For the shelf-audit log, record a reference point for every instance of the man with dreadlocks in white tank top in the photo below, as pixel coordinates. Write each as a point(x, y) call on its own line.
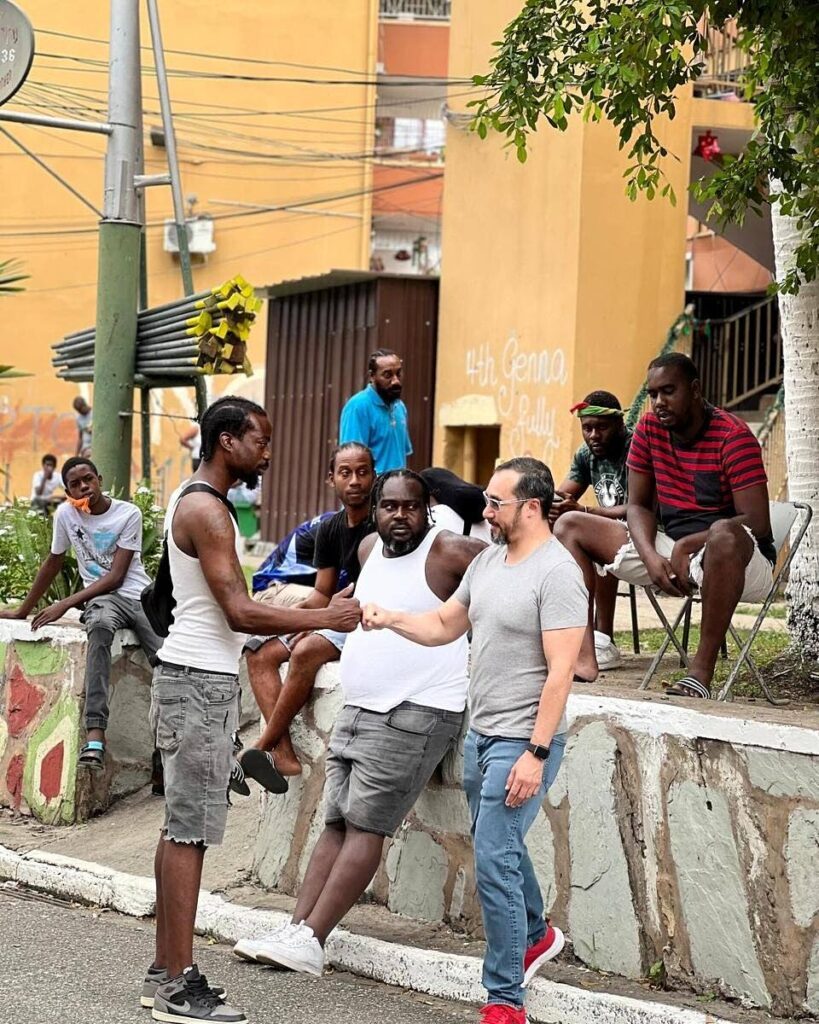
point(403, 710)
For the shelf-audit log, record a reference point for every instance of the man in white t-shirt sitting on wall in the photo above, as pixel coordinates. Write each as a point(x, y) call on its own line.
point(403, 710)
point(106, 535)
point(45, 483)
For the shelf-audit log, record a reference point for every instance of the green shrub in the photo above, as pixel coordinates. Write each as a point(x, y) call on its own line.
point(25, 543)
point(153, 516)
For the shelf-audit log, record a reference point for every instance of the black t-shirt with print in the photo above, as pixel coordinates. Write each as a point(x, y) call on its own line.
point(337, 547)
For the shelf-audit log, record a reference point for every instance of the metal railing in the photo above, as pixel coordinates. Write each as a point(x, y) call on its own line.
point(771, 437)
point(423, 10)
point(739, 358)
point(678, 339)
point(682, 337)
point(723, 62)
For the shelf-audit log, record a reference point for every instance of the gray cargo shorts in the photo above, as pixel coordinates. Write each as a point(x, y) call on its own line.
point(194, 715)
point(378, 763)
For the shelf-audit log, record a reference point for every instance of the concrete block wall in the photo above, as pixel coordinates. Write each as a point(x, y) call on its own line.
point(672, 839)
point(42, 697)
point(41, 723)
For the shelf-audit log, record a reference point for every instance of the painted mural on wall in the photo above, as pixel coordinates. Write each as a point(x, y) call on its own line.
point(529, 386)
point(39, 729)
point(41, 705)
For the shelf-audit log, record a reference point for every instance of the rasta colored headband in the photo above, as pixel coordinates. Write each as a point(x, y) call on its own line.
point(584, 409)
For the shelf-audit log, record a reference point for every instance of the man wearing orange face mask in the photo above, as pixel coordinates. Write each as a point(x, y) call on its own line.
point(106, 535)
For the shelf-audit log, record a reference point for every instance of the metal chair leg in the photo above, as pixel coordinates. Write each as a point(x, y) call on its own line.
point(635, 627)
point(670, 637)
point(745, 656)
point(686, 629)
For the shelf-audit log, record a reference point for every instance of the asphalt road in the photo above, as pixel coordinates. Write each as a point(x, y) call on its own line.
point(71, 965)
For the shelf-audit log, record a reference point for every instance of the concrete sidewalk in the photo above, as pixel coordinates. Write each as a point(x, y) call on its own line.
point(108, 861)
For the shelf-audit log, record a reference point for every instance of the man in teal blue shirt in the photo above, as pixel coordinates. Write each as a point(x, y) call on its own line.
point(377, 417)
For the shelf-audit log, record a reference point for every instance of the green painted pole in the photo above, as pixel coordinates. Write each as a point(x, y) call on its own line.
point(119, 257)
point(114, 356)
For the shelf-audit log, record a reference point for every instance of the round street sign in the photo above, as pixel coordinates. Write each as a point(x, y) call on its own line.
point(16, 49)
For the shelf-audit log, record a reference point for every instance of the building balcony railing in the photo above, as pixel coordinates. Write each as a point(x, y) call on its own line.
point(421, 10)
point(723, 62)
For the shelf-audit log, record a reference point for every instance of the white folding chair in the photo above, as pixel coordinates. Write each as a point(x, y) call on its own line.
point(784, 516)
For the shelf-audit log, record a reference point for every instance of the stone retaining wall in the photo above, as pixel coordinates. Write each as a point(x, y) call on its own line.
point(673, 842)
point(42, 697)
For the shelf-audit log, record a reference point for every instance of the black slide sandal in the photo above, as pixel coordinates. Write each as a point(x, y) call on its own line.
point(259, 765)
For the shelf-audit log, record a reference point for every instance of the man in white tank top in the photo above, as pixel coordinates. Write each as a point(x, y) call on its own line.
point(195, 695)
point(403, 710)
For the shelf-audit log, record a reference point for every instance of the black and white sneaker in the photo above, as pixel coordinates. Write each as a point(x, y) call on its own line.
point(189, 998)
point(237, 782)
point(156, 977)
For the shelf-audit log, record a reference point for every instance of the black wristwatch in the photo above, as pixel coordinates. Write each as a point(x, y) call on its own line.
point(541, 753)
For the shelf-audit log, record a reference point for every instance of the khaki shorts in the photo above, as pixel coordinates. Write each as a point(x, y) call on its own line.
point(629, 567)
point(284, 595)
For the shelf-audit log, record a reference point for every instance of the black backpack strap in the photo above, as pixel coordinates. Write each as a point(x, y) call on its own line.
point(207, 489)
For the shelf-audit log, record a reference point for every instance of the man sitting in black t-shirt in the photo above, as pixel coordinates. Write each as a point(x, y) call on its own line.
point(352, 475)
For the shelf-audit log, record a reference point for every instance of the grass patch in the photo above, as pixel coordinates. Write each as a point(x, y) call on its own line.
point(776, 611)
point(769, 647)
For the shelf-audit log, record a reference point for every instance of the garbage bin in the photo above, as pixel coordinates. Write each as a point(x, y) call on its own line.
point(248, 518)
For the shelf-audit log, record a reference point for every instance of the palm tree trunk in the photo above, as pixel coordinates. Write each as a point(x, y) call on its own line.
point(799, 323)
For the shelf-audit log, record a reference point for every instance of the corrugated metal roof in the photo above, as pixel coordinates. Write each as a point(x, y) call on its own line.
point(330, 279)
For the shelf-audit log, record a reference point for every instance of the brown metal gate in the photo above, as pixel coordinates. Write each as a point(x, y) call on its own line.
point(320, 334)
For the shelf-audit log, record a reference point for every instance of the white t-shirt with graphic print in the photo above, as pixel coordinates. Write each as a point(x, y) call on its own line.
point(95, 540)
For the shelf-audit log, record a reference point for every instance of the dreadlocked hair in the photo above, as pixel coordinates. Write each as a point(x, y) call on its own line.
point(406, 474)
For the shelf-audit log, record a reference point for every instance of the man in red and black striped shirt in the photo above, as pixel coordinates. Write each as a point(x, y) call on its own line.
point(697, 515)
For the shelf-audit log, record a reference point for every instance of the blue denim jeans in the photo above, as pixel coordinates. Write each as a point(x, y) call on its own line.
point(511, 901)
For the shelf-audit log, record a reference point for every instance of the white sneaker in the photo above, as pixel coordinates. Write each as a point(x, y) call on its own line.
point(608, 657)
point(296, 950)
point(248, 949)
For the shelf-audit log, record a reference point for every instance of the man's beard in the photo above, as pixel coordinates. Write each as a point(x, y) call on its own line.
point(502, 536)
point(386, 396)
point(402, 547)
point(250, 479)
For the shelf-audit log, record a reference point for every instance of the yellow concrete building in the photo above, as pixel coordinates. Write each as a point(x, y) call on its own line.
point(281, 138)
point(553, 284)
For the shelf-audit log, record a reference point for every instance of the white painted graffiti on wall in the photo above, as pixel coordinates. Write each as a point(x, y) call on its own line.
point(529, 419)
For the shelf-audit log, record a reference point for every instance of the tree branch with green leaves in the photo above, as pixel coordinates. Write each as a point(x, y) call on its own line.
point(626, 60)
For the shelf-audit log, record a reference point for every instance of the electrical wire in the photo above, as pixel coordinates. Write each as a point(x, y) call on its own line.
point(238, 256)
point(234, 216)
point(212, 56)
point(305, 112)
point(94, 66)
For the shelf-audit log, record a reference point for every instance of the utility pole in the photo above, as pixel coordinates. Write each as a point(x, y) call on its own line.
point(119, 258)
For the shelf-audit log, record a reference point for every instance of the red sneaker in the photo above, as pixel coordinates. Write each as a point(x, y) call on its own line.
point(536, 956)
point(502, 1013)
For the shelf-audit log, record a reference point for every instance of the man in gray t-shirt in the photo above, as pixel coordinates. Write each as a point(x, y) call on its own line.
point(527, 606)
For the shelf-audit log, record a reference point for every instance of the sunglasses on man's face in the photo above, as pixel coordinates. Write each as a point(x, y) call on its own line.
point(496, 504)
